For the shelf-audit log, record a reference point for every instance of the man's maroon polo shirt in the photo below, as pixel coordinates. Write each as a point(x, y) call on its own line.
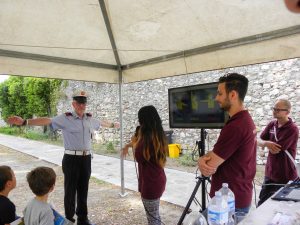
point(237, 146)
point(279, 167)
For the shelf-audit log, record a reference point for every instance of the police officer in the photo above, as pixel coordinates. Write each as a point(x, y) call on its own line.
point(77, 128)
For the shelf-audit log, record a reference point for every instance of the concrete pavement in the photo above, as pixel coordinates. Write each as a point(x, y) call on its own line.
point(179, 184)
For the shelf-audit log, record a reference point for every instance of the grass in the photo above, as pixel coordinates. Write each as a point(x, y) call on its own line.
point(187, 160)
point(21, 132)
point(25, 133)
point(97, 181)
point(16, 131)
point(110, 148)
point(34, 135)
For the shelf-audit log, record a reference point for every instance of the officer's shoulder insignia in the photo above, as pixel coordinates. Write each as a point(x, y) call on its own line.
point(89, 114)
point(68, 114)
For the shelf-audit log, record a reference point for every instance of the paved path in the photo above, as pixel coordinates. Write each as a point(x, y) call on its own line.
point(179, 184)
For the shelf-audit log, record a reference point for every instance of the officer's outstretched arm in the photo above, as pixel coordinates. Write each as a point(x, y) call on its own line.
point(41, 121)
point(16, 120)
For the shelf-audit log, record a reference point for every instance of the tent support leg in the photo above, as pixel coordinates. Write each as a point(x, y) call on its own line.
point(122, 193)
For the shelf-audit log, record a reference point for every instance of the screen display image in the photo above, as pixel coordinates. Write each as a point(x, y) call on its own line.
point(195, 107)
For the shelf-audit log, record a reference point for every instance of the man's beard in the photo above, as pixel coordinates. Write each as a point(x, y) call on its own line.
point(226, 105)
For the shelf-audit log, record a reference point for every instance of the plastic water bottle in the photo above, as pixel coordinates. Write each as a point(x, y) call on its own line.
point(217, 213)
point(228, 195)
point(194, 218)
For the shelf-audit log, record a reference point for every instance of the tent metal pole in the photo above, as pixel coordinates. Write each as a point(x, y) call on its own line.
point(109, 31)
point(122, 194)
point(119, 66)
point(54, 59)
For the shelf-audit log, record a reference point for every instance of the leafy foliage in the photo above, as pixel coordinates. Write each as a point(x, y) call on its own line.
point(32, 135)
point(16, 131)
point(4, 101)
point(23, 132)
point(187, 160)
point(25, 96)
point(110, 147)
point(13, 99)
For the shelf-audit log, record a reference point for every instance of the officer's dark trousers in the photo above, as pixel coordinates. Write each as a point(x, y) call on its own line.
point(77, 171)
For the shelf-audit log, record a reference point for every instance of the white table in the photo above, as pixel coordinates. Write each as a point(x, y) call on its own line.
point(264, 214)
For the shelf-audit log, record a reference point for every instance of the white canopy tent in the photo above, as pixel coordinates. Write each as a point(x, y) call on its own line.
point(120, 41)
point(145, 39)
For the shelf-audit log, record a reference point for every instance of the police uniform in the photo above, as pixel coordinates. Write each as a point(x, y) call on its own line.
point(76, 164)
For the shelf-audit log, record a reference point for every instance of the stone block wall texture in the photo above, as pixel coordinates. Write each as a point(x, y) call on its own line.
point(267, 82)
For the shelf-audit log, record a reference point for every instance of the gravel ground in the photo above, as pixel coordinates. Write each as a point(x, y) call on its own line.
point(106, 207)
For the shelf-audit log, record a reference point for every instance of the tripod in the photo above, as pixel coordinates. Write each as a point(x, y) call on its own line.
point(201, 180)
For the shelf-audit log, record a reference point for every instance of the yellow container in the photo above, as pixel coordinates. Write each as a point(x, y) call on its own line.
point(174, 150)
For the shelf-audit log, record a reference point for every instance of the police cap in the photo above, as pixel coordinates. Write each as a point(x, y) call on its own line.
point(80, 96)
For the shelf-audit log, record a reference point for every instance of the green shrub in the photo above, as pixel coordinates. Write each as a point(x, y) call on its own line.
point(187, 160)
point(98, 148)
point(110, 148)
point(34, 135)
point(23, 132)
point(11, 130)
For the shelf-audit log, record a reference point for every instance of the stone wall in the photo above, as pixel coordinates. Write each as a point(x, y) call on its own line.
point(267, 82)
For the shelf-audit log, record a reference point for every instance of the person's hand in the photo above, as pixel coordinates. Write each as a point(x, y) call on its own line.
point(134, 139)
point(293, 5)
point(125, 152)
point(205, 169)
point(15, 120)
point(273, 147)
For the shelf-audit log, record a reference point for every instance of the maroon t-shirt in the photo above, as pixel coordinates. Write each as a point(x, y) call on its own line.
point(237, 146)
point(152, 178)
point(279, 167)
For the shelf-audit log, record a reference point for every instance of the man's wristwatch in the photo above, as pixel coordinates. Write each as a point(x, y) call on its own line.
point(112, 125)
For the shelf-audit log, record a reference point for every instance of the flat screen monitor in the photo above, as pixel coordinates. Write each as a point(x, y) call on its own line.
point(195, 107)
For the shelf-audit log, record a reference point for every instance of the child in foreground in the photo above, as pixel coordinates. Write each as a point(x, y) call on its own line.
point(7, 183)
point(41, 181)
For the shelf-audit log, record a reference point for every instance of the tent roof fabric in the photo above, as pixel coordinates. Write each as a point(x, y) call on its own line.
point(146, 39)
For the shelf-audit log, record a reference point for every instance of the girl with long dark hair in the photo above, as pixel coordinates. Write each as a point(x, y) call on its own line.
point(150, 152)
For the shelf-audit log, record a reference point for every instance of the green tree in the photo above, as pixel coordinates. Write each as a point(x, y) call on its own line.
point(6, 108)
point(29, 96)
point(16, 101)
point(42, 95)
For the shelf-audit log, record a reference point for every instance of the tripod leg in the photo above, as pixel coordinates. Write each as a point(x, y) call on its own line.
point(190, 201)
point(203, 192)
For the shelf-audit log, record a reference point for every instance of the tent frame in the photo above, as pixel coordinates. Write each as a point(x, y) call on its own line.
point(275, 34)
point(181, 54)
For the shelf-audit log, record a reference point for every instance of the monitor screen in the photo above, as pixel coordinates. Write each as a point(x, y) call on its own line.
point(195, 107)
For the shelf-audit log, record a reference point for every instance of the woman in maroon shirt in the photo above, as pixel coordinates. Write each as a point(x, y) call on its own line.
point(150, 153)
